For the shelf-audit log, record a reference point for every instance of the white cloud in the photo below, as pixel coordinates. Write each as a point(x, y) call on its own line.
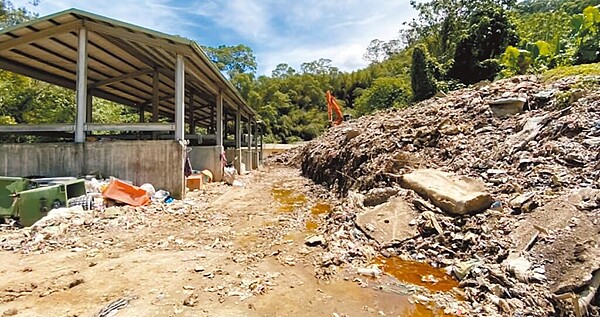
point(158, 15)
point(293, 31)
point(248, 18)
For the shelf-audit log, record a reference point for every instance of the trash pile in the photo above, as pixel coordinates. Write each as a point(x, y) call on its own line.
point(98, 205)
point(497, 183)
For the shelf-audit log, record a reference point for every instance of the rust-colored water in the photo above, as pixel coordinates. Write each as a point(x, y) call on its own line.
point(320, 208)
point(288, 199)
point(413, 272)
point(311, 226)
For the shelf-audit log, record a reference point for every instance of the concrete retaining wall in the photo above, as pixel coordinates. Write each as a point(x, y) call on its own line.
point(157, 162)
point(207, 157)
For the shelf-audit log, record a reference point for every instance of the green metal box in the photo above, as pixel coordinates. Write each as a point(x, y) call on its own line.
point(29, 205)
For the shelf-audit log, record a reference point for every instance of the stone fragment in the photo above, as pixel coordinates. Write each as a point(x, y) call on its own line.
point(378, 196)
point(314, 241)
point(452, 193)
point(507, 106)
point(351, 134)
point(389, 223)
point(519, 201)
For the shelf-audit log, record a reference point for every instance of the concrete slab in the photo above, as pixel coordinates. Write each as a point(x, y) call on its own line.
point(389, 223)
point(575, 247)
point(452, 193)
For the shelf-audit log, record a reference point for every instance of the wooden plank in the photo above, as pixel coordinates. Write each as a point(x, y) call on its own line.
point(31, 37)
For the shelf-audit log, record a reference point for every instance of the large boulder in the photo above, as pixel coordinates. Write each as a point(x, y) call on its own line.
point(452, 193)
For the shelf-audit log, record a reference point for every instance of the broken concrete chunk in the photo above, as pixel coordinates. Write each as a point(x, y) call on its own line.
point(314, 241)
point(519, 201)
point(574, 248)
point(507, 106)
point(378, 196)
point(389, 223)
point(351, 134)
point(452, 193)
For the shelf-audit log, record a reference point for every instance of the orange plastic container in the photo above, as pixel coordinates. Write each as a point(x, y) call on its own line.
point(125, 193)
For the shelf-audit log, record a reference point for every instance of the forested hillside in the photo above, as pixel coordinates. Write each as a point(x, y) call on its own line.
point(449, 45)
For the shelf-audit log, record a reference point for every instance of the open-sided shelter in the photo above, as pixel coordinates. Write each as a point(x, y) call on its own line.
point(169, 77)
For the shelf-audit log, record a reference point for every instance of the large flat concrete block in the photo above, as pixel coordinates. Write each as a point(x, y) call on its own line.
point(389, 223)
point(452, 193)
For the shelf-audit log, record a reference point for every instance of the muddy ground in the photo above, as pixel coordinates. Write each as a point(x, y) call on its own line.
point(224, 251)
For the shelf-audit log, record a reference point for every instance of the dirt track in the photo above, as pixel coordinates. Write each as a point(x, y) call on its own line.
point(230, 251)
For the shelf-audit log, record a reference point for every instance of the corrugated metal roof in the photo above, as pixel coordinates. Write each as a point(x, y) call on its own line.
point(121, 61)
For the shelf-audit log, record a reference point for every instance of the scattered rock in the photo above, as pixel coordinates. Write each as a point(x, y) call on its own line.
point(507, 106)
point(378, 196)
point(314, 241)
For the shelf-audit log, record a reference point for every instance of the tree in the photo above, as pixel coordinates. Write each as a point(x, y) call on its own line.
point(283, 70)
point(441, 22)
point(232, 59)
point(322, 66)
point(385, 93)
point(11, 15)
point(586, 36)
point(490, 33)
point(421, 75)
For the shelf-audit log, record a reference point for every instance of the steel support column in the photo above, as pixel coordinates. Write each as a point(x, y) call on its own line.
point(249, 144)
point(238, 141)
point(179, 98)
point(192, 107)
point(81, 86)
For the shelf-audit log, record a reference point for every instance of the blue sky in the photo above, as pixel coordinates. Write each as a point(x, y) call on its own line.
point(277, 31)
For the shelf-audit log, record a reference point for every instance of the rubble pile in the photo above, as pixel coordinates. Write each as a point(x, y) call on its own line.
point(558, 139)
point(498, 185)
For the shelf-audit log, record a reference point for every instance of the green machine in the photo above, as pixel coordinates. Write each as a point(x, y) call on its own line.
point(27, 200)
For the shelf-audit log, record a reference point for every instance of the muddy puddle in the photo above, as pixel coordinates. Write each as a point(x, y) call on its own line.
point(389, 303)
point(320, 209)
point(288, 199)
point(417, 273)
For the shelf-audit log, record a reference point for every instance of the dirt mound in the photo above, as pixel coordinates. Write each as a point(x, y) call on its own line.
point(553, 144)
point(536, 149)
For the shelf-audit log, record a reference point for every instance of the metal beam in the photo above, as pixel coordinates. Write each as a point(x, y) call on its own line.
point(179, 98)
point(130, 127)
point(136, 37)
point(219, 122)
point(120, 78)
point(19, 128)
point(81, 85)
point(155, 96)
point(89, 106)
point(38, 74)
point(192, 107)
point(202, 79)
point(31, 37)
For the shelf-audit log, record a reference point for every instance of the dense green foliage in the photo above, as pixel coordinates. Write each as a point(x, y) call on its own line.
point(422, 75)
point(452, 43)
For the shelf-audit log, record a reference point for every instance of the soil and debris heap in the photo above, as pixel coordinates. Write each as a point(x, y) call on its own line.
point(556, 144)
point(501, 189)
